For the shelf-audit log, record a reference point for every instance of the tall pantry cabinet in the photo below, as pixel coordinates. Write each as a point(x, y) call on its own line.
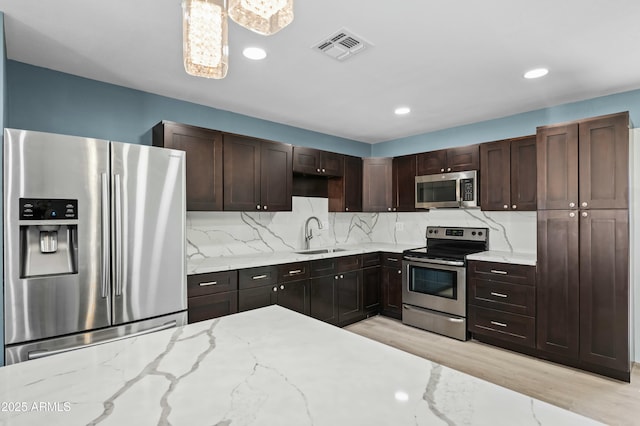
point(583, 244)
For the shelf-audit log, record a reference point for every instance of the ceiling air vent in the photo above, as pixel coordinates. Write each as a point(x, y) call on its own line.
point(341, 45)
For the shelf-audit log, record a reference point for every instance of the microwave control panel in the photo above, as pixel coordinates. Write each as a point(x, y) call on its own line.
point(467, 190)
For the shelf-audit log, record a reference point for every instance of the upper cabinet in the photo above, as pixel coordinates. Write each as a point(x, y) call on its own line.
point(316, 162)
point(404, 183)
point(377, 191)
point(448, 160)
point(203, 149)
point(593, 152)
point(345, 193)
point(508, 174)
point(257, 174)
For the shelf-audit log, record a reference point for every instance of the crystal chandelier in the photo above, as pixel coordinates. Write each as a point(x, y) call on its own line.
point(265, 17)
point(206, 50)
point(205, 45)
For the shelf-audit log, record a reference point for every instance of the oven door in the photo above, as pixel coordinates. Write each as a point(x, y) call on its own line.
point(435, 284)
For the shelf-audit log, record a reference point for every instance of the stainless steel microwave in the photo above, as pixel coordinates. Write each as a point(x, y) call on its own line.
point(447, 190)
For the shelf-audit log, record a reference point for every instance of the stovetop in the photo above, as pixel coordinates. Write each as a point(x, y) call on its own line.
point(451, 243)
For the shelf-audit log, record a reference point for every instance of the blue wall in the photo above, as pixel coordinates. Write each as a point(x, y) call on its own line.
point(3, 121)
point(512, 126)
point(50, 101)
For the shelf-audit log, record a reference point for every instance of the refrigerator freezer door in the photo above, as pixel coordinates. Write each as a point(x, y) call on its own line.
point(148, 227)
point(42, 298)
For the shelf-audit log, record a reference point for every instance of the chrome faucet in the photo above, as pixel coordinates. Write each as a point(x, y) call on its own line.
point(308, 233)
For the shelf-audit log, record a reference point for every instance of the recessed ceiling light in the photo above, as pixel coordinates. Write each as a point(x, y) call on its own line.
point(402, 110)
point(255, 53)
point(536, 73)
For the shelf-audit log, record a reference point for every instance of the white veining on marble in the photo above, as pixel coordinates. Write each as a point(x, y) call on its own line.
point(217, 234)
point(261, 367)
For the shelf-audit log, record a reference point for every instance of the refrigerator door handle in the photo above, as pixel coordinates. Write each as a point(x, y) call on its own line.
point(118, 234)
point(105, 235)
point(42, 354)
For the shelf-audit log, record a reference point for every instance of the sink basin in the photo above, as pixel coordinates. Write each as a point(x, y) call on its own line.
point(320, 251)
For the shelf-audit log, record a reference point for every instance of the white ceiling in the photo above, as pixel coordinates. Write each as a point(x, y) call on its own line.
point(452, 62)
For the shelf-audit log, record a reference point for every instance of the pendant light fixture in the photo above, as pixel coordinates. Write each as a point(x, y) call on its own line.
point(265, 17)
point(205, 49)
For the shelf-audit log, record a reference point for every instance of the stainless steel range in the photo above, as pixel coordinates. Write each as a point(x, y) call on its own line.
point(434, 287)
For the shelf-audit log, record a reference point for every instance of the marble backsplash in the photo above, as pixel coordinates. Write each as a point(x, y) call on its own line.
point(213, 234)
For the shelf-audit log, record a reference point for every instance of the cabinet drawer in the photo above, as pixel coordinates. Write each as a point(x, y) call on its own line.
point(257, 277)
point(212, 306)
point(392, 259)
point(505, 326)
point(505, 272)
point(349, 263)
point(370, 259)
point(322, 267)
point(516, 298)
point(215, 282)
point(293, 271)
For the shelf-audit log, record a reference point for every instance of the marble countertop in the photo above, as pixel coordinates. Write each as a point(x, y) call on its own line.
point(529, 259)
point(228, 263)
point(262, 367)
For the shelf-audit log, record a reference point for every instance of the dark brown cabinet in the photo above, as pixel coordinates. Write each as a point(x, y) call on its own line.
point(350, 297)
point(257, 174)
point(604, 288)
point(371, 283)
point(558, 288)
point(584, 164)
point(316, 162)
point(502, 303)
point(345, 193)
point(286, 285)
point(404, 183)
point(583, 244)
point(448, 160)
point(204, 161)
point(211, 295)
point(324, 295)
point(377, 190)
point(391, 285)
point(508, 174)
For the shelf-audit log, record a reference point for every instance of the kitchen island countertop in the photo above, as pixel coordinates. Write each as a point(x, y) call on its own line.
point(269, 366)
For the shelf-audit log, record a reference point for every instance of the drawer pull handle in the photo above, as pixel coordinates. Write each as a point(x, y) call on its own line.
point(498, 294)
point(499, 324)
point(497, 271)
point(258, 277)
point(457, 320)
point(208, 283)
point(295, 271)
point(391, 259)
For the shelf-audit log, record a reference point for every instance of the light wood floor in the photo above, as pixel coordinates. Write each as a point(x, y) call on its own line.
point(602, 399)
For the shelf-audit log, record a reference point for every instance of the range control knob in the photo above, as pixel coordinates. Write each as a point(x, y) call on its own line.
point(473, 232)
point(480, 233)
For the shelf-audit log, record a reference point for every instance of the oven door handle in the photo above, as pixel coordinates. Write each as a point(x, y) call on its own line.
point(435, 261)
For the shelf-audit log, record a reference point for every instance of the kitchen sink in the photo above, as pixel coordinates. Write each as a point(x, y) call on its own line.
point(320, 251)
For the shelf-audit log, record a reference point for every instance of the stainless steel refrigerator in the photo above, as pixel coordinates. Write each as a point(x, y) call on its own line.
point(94, 242)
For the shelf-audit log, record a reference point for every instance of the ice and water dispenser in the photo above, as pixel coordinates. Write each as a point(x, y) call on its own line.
point(48, 237)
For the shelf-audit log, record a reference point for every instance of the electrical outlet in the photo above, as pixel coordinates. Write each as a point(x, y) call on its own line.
point(399, 226)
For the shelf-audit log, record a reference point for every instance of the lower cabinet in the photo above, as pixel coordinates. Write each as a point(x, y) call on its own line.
point(211, 295)
point(391, 285)
point(350, 307)
point(502, 302)
point(339, 291)
point(371, 284)
point(324, 299)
